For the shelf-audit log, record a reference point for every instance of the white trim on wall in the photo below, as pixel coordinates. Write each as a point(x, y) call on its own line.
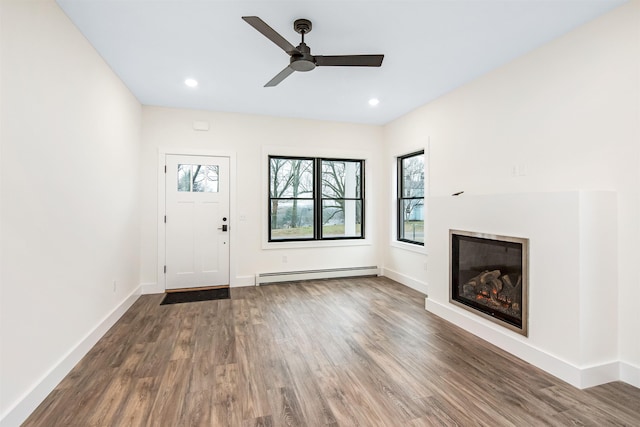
point(579, 377)
point(630, 374)
point(413, 283)
point(45, 385)
point(151, 288)
point(572, 342)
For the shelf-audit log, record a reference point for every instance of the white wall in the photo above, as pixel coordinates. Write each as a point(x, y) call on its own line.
point(565, 117)
point(403, 262)
point(572, 276)
point(248, 139)
point(70, 151)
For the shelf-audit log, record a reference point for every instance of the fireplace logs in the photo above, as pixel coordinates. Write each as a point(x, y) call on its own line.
point(497, 289)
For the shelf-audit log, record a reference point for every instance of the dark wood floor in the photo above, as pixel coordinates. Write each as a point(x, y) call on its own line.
point(320, 353)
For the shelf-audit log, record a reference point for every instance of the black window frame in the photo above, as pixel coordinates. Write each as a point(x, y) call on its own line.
point(271, 199)
point(318, 199)
point(401, 199)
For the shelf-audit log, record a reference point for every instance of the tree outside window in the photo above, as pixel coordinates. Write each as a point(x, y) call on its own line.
point(341, 198)
point(291, 198)
point(411, 198)
point(297, 211)
point(198, 178)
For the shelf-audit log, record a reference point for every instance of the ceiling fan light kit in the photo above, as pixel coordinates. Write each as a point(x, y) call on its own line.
point(301, 58)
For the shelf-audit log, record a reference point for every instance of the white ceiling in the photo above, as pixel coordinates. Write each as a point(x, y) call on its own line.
point(430, 48)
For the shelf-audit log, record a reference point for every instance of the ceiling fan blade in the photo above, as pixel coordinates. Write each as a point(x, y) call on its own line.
point(280, 77)
point(270, 33)
point(349, 60)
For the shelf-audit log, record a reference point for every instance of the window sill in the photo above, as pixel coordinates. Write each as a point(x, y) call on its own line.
point(409, 247)
point(316, 244)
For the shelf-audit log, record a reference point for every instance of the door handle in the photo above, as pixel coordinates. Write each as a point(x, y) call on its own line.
point(223, 228)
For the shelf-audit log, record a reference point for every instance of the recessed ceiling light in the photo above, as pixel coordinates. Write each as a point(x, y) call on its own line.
point(374, 101)
point(191, 82)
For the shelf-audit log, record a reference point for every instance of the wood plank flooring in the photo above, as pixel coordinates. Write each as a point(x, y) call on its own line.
point(356, 352)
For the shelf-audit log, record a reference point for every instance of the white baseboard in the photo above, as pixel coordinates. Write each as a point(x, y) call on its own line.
point(579, 377)
point(30, 401)
point(599, 374)
point(630, 374)
point(241, 281)
point(416, 284)
point(151, 288)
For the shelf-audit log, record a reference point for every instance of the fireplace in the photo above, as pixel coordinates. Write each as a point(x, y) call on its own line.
point(489, 277)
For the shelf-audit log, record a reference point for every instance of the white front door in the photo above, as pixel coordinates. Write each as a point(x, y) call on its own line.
point(197, 221)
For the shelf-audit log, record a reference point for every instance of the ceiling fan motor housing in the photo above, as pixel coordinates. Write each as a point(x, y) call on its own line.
point(302, 61)
point(302, 26)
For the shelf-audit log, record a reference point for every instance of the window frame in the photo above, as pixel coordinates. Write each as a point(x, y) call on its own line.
point(317, 199)
point(401, 198)
point(321, 198)
point(270, 198)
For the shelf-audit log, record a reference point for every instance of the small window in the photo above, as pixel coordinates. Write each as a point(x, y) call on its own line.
point(411, 198)
point(198, 178)
point(315, 199)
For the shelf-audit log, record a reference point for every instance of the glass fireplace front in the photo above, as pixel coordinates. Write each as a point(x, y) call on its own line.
point(489, 276)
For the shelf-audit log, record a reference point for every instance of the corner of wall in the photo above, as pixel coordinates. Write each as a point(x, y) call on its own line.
point(406, 280)
point(21, 410)
point(151, 288)
point(241, 281)
point(630, 374)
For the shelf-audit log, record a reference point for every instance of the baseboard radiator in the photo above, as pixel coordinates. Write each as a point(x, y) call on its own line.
point(329, 273)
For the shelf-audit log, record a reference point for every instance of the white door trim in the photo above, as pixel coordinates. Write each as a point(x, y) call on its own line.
point(162, 153)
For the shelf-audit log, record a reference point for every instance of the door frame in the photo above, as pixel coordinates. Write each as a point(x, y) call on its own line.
point(161, 208)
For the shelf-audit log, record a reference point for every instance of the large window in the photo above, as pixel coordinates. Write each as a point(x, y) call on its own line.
point(411, 198)
point(315, 199)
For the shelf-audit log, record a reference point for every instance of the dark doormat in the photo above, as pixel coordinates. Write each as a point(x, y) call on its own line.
point(194, 296)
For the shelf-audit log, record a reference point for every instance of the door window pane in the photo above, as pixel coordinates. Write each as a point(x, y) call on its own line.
point(184, 177)
point(198, 178)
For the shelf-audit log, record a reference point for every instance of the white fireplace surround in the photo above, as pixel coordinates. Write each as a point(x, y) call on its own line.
point(573, 283)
